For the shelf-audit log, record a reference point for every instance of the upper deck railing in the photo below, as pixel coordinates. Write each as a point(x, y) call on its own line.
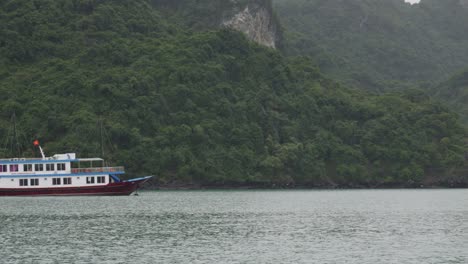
point(99, 169)
point(70, 157)
point(24, 159)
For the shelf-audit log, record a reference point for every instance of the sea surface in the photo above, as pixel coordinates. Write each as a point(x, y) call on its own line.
point(355, 226)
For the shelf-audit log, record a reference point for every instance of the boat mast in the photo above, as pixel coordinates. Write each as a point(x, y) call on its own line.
point(36, 143)
point(42, 153)
point(15, 142)
point(102, 137)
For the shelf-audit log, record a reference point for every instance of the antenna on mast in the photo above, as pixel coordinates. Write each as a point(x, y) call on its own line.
point(105, 146)
point(15, 142)
point(36, 143)
point(101, 136)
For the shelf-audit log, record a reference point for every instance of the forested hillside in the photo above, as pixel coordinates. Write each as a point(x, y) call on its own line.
point(455, 92)
point(379, 44)
point(207, 107)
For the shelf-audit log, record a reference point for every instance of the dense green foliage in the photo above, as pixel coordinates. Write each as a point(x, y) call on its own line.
point(207, 108)
point(455, 92)
point(379, 44)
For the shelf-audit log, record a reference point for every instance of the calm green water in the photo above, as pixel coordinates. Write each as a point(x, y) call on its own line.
point(381, 226)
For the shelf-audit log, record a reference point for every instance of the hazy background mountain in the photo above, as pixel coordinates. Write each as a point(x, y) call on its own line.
point(379, 44)
point(183, 96)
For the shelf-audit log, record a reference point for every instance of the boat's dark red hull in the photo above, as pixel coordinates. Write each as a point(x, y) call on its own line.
point(118, 188)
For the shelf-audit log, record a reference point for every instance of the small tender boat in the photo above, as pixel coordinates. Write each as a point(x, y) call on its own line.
point(63, 174)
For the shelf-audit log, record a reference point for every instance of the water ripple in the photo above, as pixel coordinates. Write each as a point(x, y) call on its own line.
point(387, 226)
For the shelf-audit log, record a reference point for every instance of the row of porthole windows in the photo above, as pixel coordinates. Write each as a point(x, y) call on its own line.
point(99, 179)
point(32, 182)
point(29, 167)
point(35, 182)
point(58, 181)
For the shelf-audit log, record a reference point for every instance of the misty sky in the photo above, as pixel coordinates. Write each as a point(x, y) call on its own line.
point(412, 1)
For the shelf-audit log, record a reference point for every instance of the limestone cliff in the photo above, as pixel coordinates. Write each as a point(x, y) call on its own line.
point(255, 18)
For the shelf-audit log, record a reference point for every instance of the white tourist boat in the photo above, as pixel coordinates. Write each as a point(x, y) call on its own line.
point(63, 174)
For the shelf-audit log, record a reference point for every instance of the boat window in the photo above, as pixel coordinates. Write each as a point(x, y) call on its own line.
point(101, 179)
point(50, 167)
point(56, 181)
point(27, 167)
point(38, 167)
point(61, 166)
point(67, 181)
point(23, 182)
point(89, 180)
point(3, 168)
point(13, 167)
point(34, 182)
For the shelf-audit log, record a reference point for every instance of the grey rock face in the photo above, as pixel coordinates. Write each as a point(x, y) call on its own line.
point(464, 3)
point(256, 19)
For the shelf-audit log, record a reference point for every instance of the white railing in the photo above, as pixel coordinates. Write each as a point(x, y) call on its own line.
point(100, 169)
point(22, 159)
